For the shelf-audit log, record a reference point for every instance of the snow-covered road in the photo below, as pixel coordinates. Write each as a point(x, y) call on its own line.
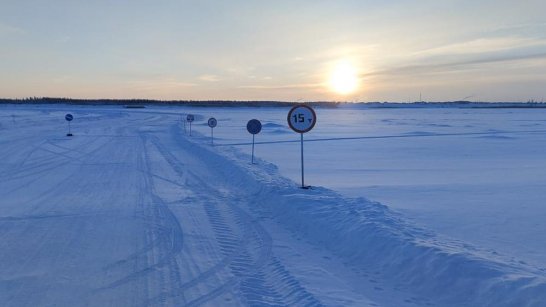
point(129, 213)
point(132, 212)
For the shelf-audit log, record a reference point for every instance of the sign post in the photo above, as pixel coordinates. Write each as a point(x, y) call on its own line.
point(212, 123)
point(190, 118)
point(69, 118)
point(301, 119)
point(254, 127)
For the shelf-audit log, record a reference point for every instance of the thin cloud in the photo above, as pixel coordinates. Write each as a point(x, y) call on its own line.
point(455, 65)
point(6, 30)
point(519, 28)
point(286, 86)
point(209, 78)
point(158, 85)
point(484, 45)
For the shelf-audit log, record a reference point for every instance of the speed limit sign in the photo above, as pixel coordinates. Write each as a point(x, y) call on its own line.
point(302, 118)
point(212, 122)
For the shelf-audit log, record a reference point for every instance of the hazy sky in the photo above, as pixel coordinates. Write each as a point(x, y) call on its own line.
point(273, 50)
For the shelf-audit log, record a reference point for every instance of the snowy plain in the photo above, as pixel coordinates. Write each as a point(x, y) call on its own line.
point(409, 207)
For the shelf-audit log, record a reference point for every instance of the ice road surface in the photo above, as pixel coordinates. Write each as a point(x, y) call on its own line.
point(132, 211)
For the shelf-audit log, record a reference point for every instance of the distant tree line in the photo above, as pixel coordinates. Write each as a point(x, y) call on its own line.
point(143, 102)
point(268, 103)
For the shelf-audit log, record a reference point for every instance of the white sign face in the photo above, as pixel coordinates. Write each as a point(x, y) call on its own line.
point(212, 122)
point(301, 118)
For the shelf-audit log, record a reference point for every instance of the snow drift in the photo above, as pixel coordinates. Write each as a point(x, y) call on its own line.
point(368, 234)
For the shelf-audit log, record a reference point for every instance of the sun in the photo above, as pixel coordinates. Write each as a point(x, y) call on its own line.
point(344, 78)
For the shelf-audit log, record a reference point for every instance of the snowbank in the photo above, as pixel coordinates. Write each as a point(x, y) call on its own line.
point(367, 234)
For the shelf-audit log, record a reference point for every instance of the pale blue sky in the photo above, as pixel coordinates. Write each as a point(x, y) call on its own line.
point(273, 50)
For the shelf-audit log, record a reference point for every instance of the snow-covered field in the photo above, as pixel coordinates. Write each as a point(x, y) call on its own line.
point(132, 211)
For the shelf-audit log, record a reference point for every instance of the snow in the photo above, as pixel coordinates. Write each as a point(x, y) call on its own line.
point(481, 180)
point(132, 211)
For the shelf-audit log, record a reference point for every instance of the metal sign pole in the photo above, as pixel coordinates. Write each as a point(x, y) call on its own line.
point(69, 132)
point(190, 128)
point(302, 176)
point(185, 131)
point(253, 149)
point(212, 136)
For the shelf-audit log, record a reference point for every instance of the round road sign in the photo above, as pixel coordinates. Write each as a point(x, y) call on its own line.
point(69, 117)
point(302, 118)
point(212, 122)
point(254, 126)
point(190, 117)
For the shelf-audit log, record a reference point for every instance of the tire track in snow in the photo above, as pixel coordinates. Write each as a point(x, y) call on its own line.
point(66, 235)
point(217, 223)
point(40, 166)
point(165, 238)
point(259, 277)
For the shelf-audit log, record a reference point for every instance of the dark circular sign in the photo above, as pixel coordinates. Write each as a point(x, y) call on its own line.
point(69, 117)
point(302, 118)
point(190, 117)
point(254, 126)
point(212, 122)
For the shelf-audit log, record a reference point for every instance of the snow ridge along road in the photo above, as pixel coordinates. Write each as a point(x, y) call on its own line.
point(131, 212)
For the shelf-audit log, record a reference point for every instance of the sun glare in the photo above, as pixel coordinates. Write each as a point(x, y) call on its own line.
point(344, 78)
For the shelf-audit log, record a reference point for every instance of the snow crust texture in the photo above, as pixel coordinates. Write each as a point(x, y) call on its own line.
point(133, 212)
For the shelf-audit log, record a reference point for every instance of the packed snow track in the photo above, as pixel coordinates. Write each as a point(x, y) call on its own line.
point(131, 211)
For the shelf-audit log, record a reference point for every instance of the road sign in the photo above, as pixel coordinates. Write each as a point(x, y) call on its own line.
point(302, 118)
point(69, 118)
point(190, 118)
point(254, 126)
point(212, 122)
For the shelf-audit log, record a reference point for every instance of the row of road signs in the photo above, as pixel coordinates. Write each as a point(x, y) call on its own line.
point(301, 119)
point(212, 122)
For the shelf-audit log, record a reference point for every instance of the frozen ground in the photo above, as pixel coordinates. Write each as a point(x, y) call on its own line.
point(131, 211)
point(483, 180)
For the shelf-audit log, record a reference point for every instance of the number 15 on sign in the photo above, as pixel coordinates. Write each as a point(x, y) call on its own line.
point(302, 119)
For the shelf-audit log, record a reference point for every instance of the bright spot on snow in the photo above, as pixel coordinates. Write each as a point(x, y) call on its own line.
point(344, 78)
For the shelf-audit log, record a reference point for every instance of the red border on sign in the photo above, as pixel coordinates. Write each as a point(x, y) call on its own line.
point(301, 106)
